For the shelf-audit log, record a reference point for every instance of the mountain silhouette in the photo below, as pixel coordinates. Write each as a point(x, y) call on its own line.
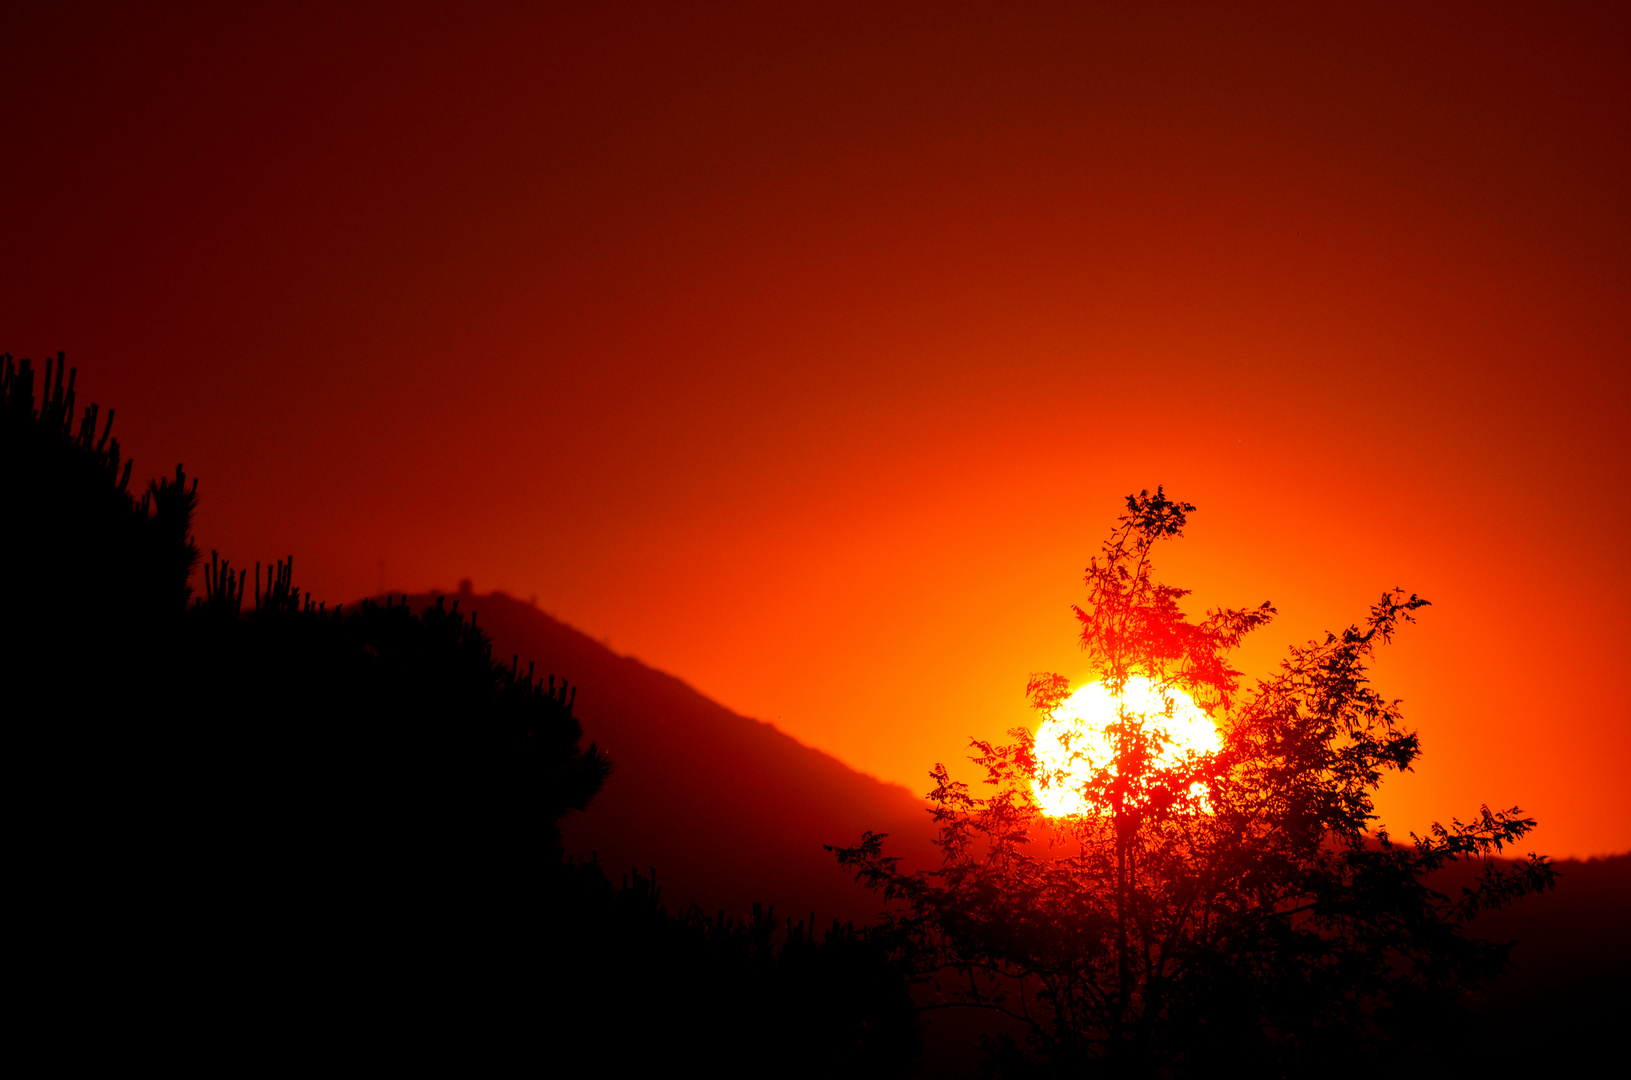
point(727, 810)
point(1563, 999)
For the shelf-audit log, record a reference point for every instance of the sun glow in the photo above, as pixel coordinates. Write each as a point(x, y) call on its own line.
point(1072, 744)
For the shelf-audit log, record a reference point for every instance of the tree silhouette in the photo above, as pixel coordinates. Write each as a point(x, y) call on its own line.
point(217, 799)
point(1239, 906)
point(252, 828)
point(95, 586)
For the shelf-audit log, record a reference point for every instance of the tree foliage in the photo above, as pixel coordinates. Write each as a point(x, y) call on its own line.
point(245, 788)
point(1243, 905)
point(248, 827)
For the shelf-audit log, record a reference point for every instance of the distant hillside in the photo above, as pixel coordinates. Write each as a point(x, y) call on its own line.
point(1569, 985)
point(727, 809)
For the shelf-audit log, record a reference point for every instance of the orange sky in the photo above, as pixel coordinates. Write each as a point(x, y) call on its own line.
point(808, 355)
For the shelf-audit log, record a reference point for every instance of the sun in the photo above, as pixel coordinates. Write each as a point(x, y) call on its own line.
point(1071, 745)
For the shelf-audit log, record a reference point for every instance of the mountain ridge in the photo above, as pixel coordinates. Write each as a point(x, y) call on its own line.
point(726, 809)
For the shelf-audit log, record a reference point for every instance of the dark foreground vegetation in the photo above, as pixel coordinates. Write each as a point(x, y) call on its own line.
point(251, 829)
point(1234, 909)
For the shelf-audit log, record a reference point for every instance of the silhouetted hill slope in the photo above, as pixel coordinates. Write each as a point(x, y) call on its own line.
point(727, 809)
point(1570, 981)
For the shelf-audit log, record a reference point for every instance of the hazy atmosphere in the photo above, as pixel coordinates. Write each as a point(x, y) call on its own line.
point(808, 354)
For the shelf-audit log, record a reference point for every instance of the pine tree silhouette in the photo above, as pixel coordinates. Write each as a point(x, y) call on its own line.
point(257, 828)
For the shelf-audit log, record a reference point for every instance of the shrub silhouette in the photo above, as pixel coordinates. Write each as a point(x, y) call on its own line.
point(88, 561)
point(368, 790)
point(254, 828)
point(1237, 907)
point(736, 997)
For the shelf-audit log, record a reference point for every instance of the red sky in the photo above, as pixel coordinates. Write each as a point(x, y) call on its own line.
point(807, 355)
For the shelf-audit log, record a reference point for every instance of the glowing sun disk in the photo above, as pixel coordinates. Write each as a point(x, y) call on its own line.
point(1072, 744)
